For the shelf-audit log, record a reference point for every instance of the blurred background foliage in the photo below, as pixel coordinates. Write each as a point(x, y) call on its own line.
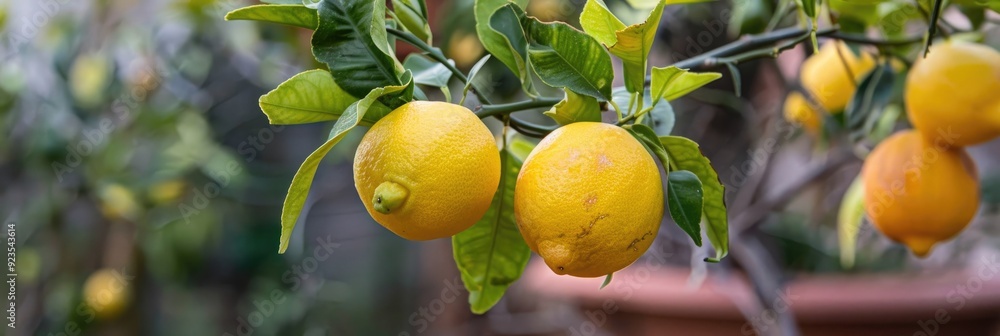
point(144, 180)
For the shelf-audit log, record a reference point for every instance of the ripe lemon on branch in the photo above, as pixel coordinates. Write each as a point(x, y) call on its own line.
point(427, 170)
point(919, 192)
point(956, 90)
point(829, 76)
point(588, 199)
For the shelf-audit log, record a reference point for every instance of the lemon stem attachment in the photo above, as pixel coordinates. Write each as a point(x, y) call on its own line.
point(389, 196)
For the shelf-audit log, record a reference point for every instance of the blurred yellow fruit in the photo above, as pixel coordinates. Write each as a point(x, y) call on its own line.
point(427, 170)
point(829, 76)
point(118, 202)
point(164, 192)
point(956, 90)
point(919, 193)
point(89, 77)
point(588, 199)
point(798, 111)
point(465, 49)
point(107, 293)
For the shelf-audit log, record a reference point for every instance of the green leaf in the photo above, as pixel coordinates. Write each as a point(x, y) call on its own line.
point(310, 96)
point(565, 57)
point(426, 71)
point(872, 95)
point(687, 156)
point(684, 198)
point(351, 41)
point(672, 82)
point(491, 255)
point(293, 15)
point(575, 108)
point(607, 280)
point(662, 117)
point(647, 137)
point(646, 4)
point(502, 47)
point(412, 15)
point(632, 47)
point(808, 7)
point(600, 23)
point(302, 181)
point(849, 220)
point(737, 83)
point(506, 22)
point(472, 76)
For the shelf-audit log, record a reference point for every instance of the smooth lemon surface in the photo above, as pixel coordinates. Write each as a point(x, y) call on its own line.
point(427, 170)
point(588, 199)
point(919, 193)
point(954, 93)
point(106, 293)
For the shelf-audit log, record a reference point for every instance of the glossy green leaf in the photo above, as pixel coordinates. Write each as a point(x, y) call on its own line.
point(565, 57)
point(600, 23)
point(647, 137)
point(426, 71)
point(672, 82)
point(500, 46)
point(473, 73)
point(351, 40)
point(849, 221)
point(662, 118)
point(412, 15)
point(686, 156)
point(491, 255)
point(575, 108)
point(507, 22)
point(632, 46)
point(294, 15)
point(310, 96)
point(302, 181)
point(607, 280)
point(684, 199)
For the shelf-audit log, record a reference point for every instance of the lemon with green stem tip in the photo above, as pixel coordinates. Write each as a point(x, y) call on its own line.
point(427, 170)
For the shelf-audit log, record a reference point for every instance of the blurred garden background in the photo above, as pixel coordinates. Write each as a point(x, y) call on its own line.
point(144, 188)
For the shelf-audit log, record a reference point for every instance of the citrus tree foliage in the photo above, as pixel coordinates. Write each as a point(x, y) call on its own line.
point(363, 80)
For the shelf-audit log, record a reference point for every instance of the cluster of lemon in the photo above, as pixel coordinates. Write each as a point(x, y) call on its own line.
point(921, 187)
point(588, 198)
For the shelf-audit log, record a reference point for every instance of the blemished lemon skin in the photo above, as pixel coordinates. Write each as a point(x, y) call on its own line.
point(588, 199)
point(919, 193)
point(956, 89)
point(441, 157)
point(830, 80)
point(108, 295)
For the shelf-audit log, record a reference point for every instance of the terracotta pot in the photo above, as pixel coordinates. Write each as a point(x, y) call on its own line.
point(657, 300)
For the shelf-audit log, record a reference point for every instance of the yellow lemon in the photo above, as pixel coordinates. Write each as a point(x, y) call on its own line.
point(588, 199)
point(107, 292)
point(427, 170)
point(118, 202)
point(954, 93)
point(829, 76)
point(798, 111)
point(917, 192)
